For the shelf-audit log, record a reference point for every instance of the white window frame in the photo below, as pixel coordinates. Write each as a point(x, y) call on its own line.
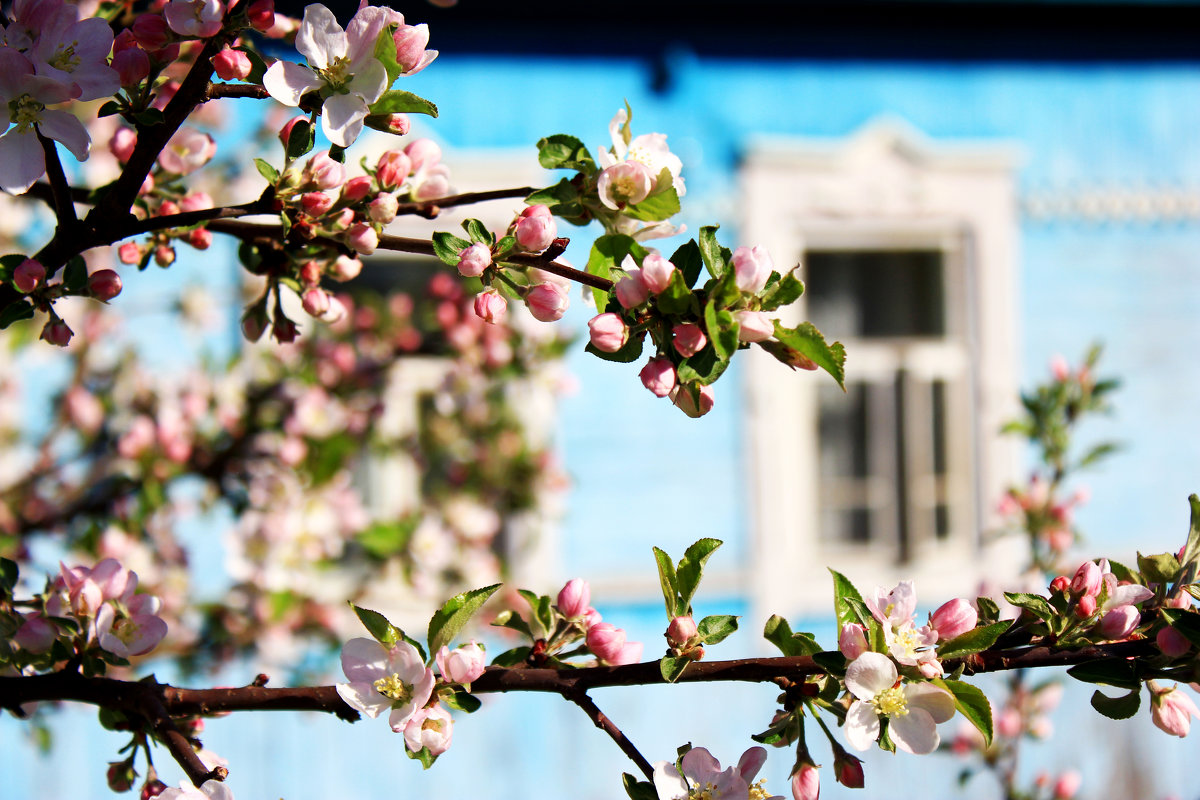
point(884, 188)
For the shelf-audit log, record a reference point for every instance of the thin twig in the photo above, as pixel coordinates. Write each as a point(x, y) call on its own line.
point(605, 724)
point(64, 209)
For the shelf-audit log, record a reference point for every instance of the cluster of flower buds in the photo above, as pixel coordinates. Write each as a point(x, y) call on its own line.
point(1046, 518)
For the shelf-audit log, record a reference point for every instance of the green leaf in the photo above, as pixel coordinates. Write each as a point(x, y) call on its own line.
point(75, 274)
point(267, 171)
point(806, 340)
point(844, 590)
point(722, 331)
point(511, 658)
point(630, 351)
point(784, 291)
point(563, 201)
point(988, 610)
point(149, 118)
point(689, 570)
point(833, 662)
point(667, 580)
point(671, 668)
point(711, 251)
point(463, 701)
point(423, 755)
point(973, 641)
point(972, 704)
point(258, 67)
point(655, 207)
point(337, 153)
point(638, 790)
point(1035, 603)
point(1191, 550)
point(1122, 572)
point(513, 621)
point(447, 246)
point(478, 232)
point(14, 312)
point(109, 108)
point(688, 261)
point(1185, 621)
point(1108, 671)
point(455, 614)
point(1122, 707)
point(608, 252)
point(676, 298)
point(300, 141)
point(702, 368)
point(565, 152)
point(397, 101)
point(1097, 453)
point(378, 626)
point(385, 51)
point(779, 633)
point(716, 628)
point(1160, 568)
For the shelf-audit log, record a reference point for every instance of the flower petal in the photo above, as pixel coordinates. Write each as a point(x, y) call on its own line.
point(342, 118)
point(936, 701)
point(870, 674)
point(751, 762)
point(66, 128)
point(668, 782)
point(22, 161)
point(862, 725)
point(363, 697)
point(915, 732)
point(321, 39)
point(288, 82)
point(364, 660)
point(700, 765)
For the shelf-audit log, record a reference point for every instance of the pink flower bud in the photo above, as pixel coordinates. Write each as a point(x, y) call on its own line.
point(324, 172)
point(423, 153)
point(608, 332)
point(1171, 710)
point(848, 770)
point(535, 229)
point(35, 635)
point(1087, 579)
point(1060, 585)
point(315, 301)
point(122, 143)
point(473, 260)
point(164, 255)
point(1086, 606)
point(152, 789)
point(683, 400)
point(631, 290)
point(356, 188)
point(656, 273)
point(346, 268)
point(605, 640)
point(120, 776)
point(1172, 643)
point(1119, 622)
point(393, 167)
point(261, 14)
point(490, 306)
point(196, 201)
point(167, 208)
point(284, 330)
point(547, 301)
point(253, 326)
point(316, 204)
point(28, 275)
point(852, 641)
point(104, 284)
point(953, 619)
point(285, 133)
point(342, 220)
point(199, 238)
point(806, 783)
point(751, 268)
point(383, 208)
point(151, 31)
point(132, 66)
point(573, 598)
point(754, 326)
point(362, 238)
point(411, 54)
point(1009, 723)
point(680, 631)
point(461, 665)
point(57, 333)
point(232, 65)
point(1059, 368)
point(930, 668)
point(659, 376)
point(689, 339)
point(631, 653)
point(398, 124)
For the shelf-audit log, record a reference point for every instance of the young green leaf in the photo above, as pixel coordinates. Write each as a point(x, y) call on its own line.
point(716, 628)
point(1109, 671)
point(1033, 602)
point(973, 641)
point(1122, 707)
point(378, 626)
point(667, 580)
point(396, 101)
point(671, 668)
point(806, 340)
point(565, 152)
point(843, 590)
point(690, 569)
point(710, 251)
point(972, 704)
point(447, 246)
point(267, 171)
point(455, 614)
point(688, 261)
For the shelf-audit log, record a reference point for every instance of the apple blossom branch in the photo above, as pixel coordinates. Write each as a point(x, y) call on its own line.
point(601, 720)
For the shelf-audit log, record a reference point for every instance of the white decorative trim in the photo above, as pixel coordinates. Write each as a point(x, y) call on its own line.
point(1113, 204)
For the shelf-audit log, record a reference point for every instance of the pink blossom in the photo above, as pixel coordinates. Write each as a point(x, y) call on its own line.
point(122, 143)
point(535, 229)
point(151, 31)
point(25, 96)
point(28, 275)
point(324, 172)
point(1086, 606)
point(659, 376)
point(132, 635)
point(848, 770)
point(411, 54)
point(356, 188)
point(346, 268)
point(393, 167)
point(631, 653)
point(473, 260)
point(700, 769)
point(631, 290)
point(1067, 785)
point(132, 65)
point(624, 183)
point(83, 409)
point(362, 238)
point(315, 301)
point(381, 679)
point(605, 641)
point(752, 267)
point(608, 332)
point(1172, 643)
point(461, 665)
point(425, 153)
point(1087, 579)
point(657, 273)
point(648, 150)
point(913, 709)
point(490, 306)
point(547, 301)
point(689, 339)
point(35, 635)
point(953, 619)
point(187, 151)
point(1171, 710)
point(683, 400)
point(232, 65)
point(57, 333)
point(1059, 368)
point(430, 728)
point(806, 783)
point(261, 14)
point(104, 284)
point(852, 641)
point(194, 18)
point(573, 598)
point(1119, 622)
point(754, 326)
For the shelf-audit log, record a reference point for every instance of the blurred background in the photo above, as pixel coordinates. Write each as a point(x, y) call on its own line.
point(969, 188)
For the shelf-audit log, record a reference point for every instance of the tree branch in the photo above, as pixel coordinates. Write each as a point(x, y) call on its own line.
point(64, 209)
point(605, 724)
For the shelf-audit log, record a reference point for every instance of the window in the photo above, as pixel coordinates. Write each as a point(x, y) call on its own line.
point(907, 252)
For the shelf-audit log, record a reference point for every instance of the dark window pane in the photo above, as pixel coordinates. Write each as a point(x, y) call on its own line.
point(939, 427)
point(846, 526)
point(874, 294)
point(843, 431)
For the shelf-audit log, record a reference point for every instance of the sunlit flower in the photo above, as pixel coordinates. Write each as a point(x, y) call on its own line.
point(381, 679)
point(25, 96)
point(703, 778)
point(913, 709)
